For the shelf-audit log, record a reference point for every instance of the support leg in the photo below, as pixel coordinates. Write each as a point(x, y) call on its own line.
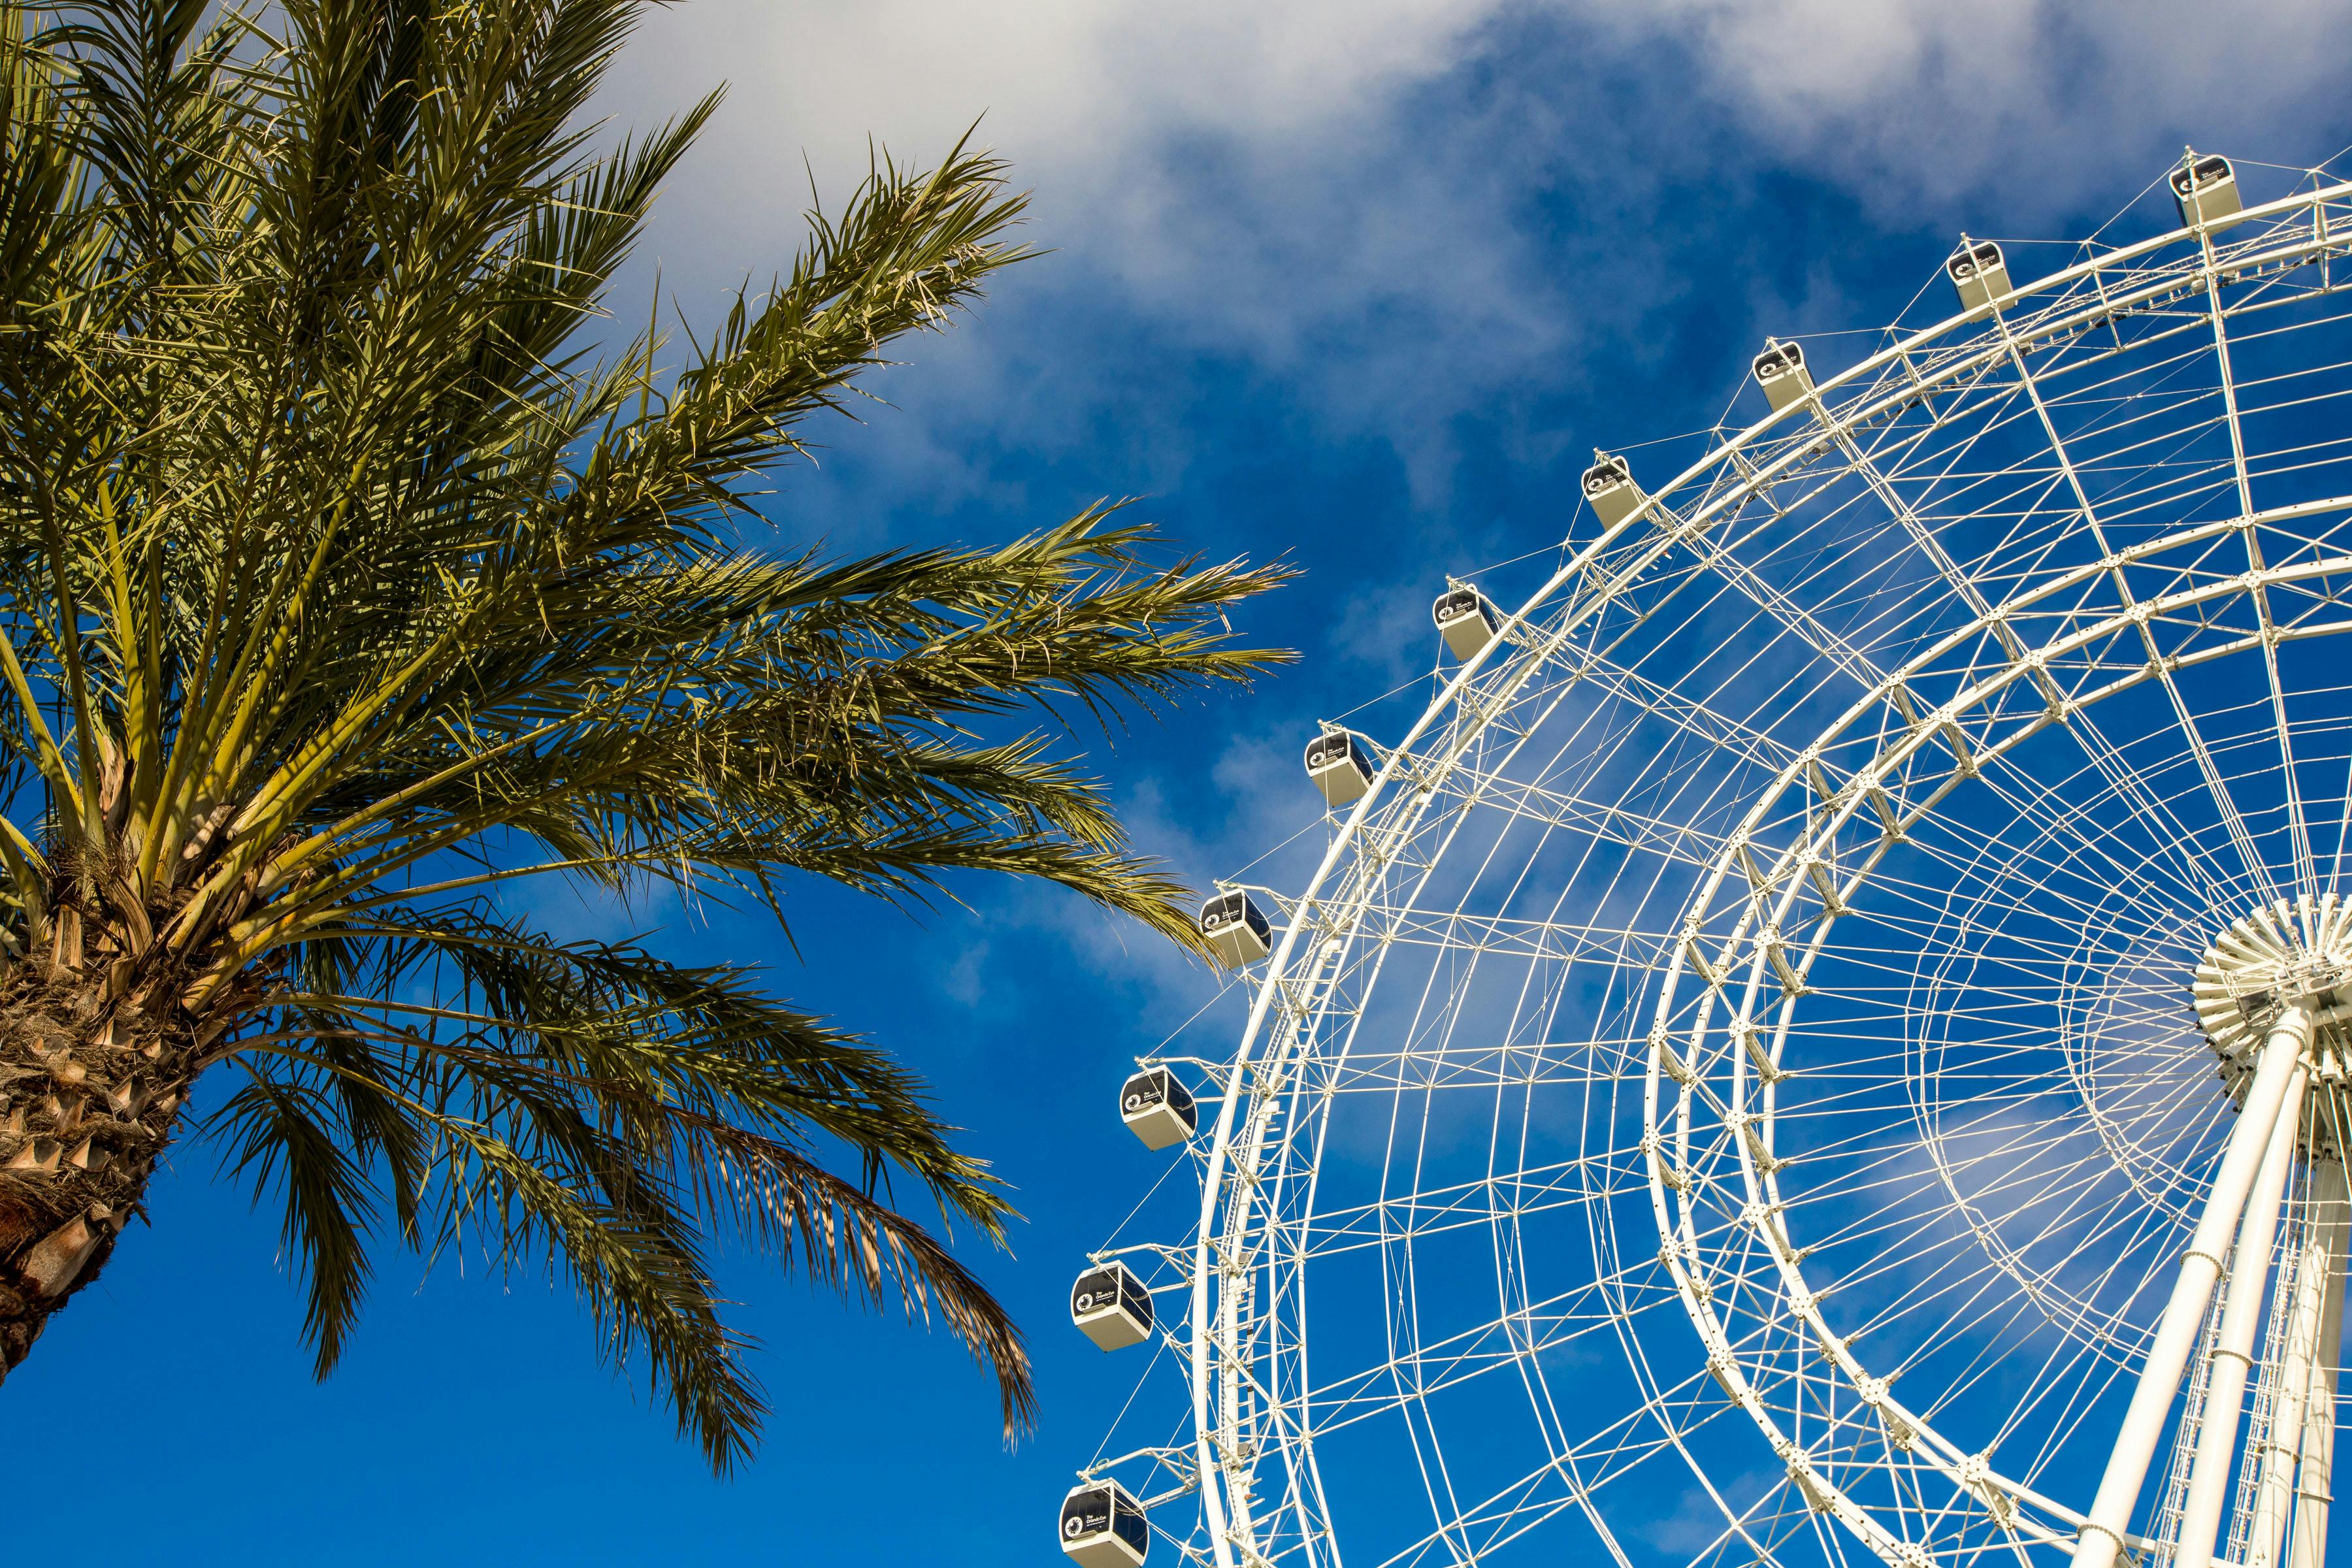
point(2307, 1547)
point(2298, 1350)
point(2102, 1535)
point(2233, 1354)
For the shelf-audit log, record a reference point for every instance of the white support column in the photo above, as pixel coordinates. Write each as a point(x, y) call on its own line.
point(2298, 1350)
point(2102, 1535)
point(2332, 1215)
point(2233, 1354)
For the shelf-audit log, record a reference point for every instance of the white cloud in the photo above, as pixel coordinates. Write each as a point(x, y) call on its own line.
point(1070, 87)
point(1335, 191)
point(2048, 101)
point(1234, 175)
point(1109, 106)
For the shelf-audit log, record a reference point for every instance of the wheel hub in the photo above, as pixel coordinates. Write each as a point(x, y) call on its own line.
point(2263, 963)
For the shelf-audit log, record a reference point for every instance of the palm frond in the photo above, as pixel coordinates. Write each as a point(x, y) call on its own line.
point(285, 1135)
point(351, 569)
point(637, 1083)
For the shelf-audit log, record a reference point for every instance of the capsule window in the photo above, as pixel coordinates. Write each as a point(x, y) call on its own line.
point(1466, 619)
point(1457, 603)
point(1158, 1109)
point(1978, 273)
point(1610, 490)
point(2205, 189)
point(1779, 359)
point(1104, 1527)
point(1340, 766)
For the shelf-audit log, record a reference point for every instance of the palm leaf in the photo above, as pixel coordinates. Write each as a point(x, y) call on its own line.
point(353, 567)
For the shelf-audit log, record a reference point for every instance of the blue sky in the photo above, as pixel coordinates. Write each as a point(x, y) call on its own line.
point(1359, 284)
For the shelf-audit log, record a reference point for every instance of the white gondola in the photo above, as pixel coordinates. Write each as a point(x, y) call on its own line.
point(1978, 273)
point(1781, 371)
point(1340, 766)
point(2205, 190)
point(1468, 622)
point(1610, 490)
point(1111, 1307)
point(1238, 931)
point(1158, 1109)
point(1103, 1527)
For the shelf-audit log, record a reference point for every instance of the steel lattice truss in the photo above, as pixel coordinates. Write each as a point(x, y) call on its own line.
point(1731, 1091)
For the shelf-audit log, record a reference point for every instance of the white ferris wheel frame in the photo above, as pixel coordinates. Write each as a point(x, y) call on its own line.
point(1242, 1295)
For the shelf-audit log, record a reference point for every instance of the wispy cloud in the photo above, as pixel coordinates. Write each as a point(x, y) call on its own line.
point(1414, 213)
point(2039, 104)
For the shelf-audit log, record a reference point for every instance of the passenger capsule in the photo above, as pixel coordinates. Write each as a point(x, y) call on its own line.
point(1468, 620)
point(1610, 490)
point(1781, 371)
point(1340, 766)
point(1977, 273)
point(1158, 1109)
point(1238, 931)
point(1103, 1527)
point(1111, 1307)
point(2205, 189)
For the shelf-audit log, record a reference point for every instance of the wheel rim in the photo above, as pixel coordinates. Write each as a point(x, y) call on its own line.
point(1282, 1204)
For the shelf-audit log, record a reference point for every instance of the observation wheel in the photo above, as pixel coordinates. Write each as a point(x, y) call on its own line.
point(1826, 1040)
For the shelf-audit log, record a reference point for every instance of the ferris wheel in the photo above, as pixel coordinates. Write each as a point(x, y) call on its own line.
point(1826, 1039)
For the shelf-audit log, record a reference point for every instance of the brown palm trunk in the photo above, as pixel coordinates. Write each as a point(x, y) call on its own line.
point(91, 1084)
point(99, 1044)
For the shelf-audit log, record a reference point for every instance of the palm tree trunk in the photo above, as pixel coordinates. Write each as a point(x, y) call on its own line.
point(90, 1091)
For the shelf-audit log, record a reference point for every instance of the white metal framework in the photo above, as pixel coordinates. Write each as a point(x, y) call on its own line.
point(1826, 1039)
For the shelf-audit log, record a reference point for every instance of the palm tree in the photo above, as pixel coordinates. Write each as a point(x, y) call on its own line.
point(353, 574)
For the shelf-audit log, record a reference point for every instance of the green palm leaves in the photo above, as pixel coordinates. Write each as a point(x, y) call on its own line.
point(347, 580)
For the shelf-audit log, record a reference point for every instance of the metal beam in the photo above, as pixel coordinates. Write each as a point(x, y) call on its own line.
point(2233, 1354)
point(2103, 1530)
point(2298, 1348)
point(2307, 1547)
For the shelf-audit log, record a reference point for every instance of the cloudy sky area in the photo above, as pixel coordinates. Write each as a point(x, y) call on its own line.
point(1417, 213)
point(1361, 284)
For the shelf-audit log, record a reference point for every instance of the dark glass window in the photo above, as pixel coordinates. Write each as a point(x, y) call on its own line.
point(1129, 1524)
point(1086, 1513)
point(1094, 1291)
